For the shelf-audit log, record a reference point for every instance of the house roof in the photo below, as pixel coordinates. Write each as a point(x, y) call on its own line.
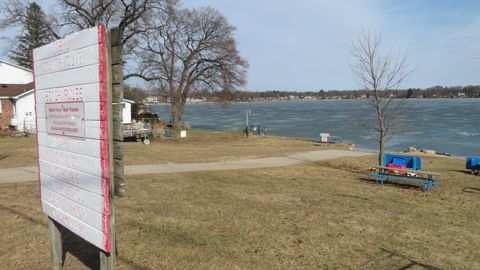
point(128, 101)
point(14, 90)
point(13, 65)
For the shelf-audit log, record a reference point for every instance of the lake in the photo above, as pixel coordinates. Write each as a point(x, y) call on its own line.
point(444, 125)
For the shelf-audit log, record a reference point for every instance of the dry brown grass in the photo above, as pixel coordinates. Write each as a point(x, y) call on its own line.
point(315, 216)
point(203, 147)
point(200, 146)
point(17, 151)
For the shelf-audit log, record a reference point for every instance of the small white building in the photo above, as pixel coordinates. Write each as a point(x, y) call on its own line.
point(127, 111)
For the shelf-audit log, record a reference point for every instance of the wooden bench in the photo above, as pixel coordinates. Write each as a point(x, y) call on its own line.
point(428, 179)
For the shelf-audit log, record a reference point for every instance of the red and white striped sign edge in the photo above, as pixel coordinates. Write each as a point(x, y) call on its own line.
point(67, 70)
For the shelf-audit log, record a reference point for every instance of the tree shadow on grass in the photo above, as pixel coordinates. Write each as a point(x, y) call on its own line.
point(467, 172)
point(412, 264)
point(24, 216)
point(471, 190)
point(403, 185)
point(325, 163)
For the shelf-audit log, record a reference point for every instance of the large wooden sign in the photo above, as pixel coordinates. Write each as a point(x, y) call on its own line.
point(72, 103)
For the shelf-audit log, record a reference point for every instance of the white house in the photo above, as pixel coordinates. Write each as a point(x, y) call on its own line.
point(24, 111)
point(16, 99)
point(17, 107)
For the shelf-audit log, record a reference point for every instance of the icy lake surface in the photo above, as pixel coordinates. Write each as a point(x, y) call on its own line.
point(445, 125)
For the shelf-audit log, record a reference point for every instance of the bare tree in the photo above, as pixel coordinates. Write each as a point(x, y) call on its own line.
point(129, 16)
point(187, 50)
point(134, 93)
point(379, 73)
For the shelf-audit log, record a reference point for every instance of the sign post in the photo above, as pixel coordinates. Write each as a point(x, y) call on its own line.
point(115, 40)
point(73, 102)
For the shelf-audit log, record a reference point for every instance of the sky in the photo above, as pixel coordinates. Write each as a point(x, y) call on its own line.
point(306, 44)
point(302, 45)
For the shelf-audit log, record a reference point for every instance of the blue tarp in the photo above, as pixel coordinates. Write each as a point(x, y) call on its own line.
point(412, 162)
point(472, 162)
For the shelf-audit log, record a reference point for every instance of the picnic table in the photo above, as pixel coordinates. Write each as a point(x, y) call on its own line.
point(428, 179)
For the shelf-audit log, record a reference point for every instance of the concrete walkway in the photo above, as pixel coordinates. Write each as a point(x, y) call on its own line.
point(26, 174)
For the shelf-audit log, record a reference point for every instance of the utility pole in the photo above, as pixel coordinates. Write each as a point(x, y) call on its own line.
point(247, 129)
point(246, 117)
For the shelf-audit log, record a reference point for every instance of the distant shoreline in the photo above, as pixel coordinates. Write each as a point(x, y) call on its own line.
point(306, 100)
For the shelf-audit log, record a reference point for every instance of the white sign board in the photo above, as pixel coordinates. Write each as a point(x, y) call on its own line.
point(65, 118)
point(72, 133)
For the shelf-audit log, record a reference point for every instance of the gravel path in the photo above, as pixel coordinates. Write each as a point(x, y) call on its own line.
point(26, 174)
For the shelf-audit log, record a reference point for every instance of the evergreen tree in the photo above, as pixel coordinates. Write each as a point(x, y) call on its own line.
point(409, 93)
point(36, 33)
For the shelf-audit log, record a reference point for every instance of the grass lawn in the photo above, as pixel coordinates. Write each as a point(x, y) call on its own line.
point(17, 151)
point(204, 146)
point(200, 146)
point(312, 216)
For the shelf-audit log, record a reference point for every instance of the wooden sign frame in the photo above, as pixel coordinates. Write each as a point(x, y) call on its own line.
point(77, 174)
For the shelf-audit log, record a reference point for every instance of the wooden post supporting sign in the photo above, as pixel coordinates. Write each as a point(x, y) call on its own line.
point(117, 103)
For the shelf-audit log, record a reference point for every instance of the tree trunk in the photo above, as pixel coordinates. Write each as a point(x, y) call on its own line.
point(173, 114)
point(381, 150)
point(177, 115)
